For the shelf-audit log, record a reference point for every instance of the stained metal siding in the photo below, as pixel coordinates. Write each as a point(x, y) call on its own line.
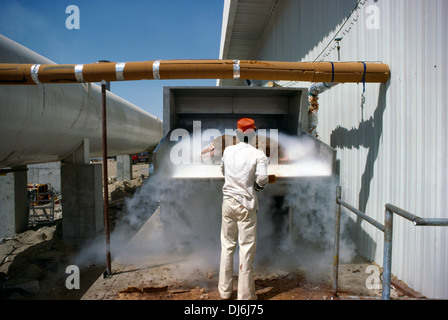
point(394, 147)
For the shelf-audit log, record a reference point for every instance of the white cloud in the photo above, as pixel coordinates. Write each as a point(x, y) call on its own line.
point(17, 20)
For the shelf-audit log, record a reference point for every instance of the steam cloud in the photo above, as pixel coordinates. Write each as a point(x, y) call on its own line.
point(295, 230)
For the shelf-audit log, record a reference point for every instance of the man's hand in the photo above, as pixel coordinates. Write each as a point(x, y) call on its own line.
point(271, 178)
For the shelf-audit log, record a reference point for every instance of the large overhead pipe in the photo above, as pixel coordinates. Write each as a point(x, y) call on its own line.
point(342, 72)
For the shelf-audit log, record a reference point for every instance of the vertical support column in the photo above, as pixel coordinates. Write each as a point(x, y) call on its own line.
point(124, 167)
point(337, 231)
point(387, 257)
point(82, 203)
point(13, 202)
point(108, 271)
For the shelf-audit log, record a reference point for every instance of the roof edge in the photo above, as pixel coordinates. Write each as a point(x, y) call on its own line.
point(228, 20)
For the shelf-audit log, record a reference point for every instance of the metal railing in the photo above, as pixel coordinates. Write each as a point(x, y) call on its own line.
point(41, 210)
point(387, 229)
point(41, 201)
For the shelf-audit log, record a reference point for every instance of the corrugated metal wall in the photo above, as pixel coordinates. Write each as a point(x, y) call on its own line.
point(393, 147)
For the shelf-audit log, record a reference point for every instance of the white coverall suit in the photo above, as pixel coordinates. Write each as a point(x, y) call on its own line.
point(243, 166)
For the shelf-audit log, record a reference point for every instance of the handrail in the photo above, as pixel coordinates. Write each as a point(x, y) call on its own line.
point(387, 229)
point(417, 221)
point(362, 215)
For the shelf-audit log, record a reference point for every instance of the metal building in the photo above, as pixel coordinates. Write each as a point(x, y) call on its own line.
point(391, 139)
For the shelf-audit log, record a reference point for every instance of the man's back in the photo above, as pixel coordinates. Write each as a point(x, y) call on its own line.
point(242, 166)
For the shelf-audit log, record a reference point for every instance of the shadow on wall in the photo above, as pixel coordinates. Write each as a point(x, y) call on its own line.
point(367, 135)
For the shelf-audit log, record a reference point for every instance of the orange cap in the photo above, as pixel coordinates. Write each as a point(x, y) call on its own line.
point(244, 124)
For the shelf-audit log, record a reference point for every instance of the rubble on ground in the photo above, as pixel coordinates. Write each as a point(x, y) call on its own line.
point(33, 263)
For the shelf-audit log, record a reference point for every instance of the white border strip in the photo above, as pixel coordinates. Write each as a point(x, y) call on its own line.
point(236, 69)
point(155, 70)
point(78, 72)
point(119, 68)
point(35, 73)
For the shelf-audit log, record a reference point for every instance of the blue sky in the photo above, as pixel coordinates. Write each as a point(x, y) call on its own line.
point(118, 30)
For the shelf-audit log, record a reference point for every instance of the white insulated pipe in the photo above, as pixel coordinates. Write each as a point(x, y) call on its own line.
point(48, 122)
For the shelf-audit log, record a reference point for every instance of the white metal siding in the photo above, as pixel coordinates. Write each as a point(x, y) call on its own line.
point(394, 147)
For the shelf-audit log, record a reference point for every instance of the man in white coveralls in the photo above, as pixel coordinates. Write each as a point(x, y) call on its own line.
point(245, 169)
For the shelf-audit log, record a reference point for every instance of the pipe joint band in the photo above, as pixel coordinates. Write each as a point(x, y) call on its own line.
point(35, 73)
point(155, 70)
point(119, 68)
point(236, 69)
point(78, 72)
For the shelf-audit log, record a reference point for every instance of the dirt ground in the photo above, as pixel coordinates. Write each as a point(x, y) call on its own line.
point(201, 285)
point(285, 287)
point(33, 267)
